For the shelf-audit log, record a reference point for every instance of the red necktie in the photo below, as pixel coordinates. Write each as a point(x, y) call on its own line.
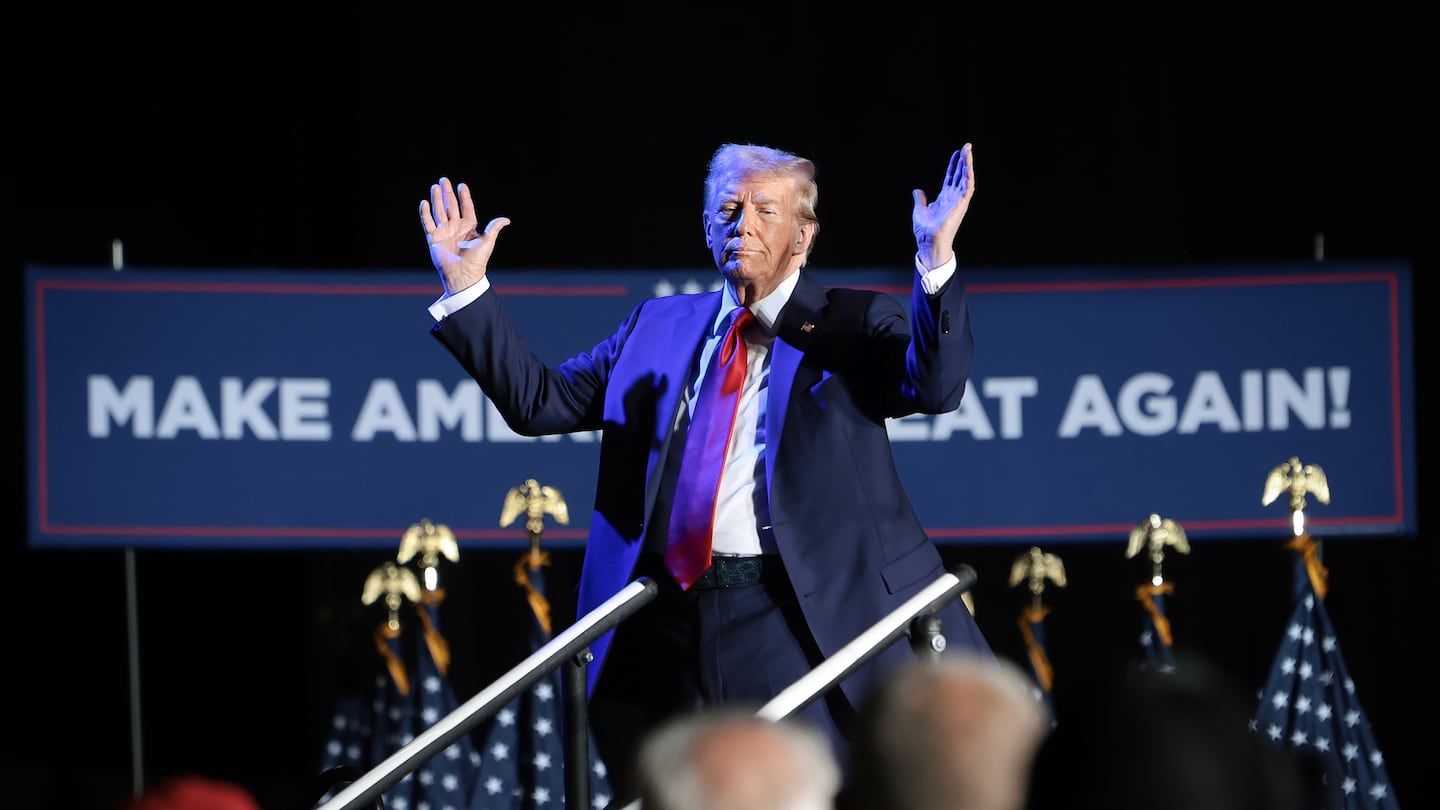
point(712, 420)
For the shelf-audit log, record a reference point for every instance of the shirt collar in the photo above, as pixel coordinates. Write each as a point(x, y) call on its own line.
point(766, 310)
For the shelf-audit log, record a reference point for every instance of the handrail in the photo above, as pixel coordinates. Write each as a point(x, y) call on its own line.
point(945, 589)
point(485, 703)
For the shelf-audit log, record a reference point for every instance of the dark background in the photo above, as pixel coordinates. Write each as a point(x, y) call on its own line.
point(1147, 134)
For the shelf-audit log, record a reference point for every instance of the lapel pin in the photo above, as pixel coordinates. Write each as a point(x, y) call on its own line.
point(807, 327)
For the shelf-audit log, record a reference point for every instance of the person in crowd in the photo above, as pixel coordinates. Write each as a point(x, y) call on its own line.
point(1179, 739)
point(725, 757)
point(747, 472)
point(958, 732)
point(193, 792)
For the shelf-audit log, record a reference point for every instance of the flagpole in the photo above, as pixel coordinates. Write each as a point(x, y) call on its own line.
point(132, 617)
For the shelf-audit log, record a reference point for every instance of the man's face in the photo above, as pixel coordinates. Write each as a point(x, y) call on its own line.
point(754, 234)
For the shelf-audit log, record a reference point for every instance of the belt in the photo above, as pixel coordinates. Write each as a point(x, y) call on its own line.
point(738, 571)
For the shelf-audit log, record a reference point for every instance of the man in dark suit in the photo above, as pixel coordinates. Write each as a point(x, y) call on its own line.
point(813, 537)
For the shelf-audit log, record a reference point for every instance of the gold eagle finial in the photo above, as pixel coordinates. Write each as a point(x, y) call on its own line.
point(396, 584)
point(1034, 567)
point(534, 502)
point(1298, 480)
point(429, 541)
point(1155, 533)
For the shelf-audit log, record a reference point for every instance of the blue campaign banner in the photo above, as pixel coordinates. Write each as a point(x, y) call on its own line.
point(290, 410)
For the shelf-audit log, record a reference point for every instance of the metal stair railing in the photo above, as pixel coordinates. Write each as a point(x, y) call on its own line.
point(916, 617)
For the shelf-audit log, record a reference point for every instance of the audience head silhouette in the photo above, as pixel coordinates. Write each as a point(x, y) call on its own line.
point(954, 733)
point(726, 758)
point(192, 792)
point(1180, 740)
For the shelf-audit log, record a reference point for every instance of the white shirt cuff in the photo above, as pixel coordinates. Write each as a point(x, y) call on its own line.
point(447, 305)
point(932, 280)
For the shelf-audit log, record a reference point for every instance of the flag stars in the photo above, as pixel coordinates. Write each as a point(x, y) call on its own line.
point(506, 717)
point(542, 761)
point(543, 726)
point(544, 692)
point(500, 751)
point(541, 796)
point(1309, 702)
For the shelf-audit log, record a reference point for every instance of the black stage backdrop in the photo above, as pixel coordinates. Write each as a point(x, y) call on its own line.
point(1131, 134)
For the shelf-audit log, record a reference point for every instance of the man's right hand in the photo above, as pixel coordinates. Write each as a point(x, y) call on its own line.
point(459, 252)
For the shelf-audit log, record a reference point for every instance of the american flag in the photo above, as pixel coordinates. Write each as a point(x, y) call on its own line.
point(523, 756)
point(1309, 705)
point(1157, 648)
point(411, 692)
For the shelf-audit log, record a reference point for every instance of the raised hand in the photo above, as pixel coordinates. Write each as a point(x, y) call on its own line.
point(936, 223)
point(459, 252)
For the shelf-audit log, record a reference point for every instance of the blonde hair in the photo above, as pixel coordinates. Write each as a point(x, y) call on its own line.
point(735, 160)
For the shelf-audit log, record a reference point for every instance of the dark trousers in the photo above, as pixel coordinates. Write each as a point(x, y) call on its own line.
point(705, 646)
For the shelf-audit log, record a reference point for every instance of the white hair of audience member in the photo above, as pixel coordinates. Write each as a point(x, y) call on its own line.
point(727, 758)
point(957, 733)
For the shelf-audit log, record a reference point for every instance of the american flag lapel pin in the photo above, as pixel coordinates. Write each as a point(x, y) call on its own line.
point(807, 327)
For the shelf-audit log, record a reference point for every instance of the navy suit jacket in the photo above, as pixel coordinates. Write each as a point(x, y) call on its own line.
point(842, 362)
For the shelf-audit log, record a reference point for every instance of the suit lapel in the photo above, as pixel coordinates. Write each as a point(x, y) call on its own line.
point(799, 321)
